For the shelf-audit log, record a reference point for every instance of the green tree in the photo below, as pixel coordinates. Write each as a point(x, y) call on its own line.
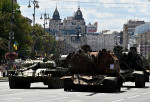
point(21, 27)
point(22, 30)
point(39, 43)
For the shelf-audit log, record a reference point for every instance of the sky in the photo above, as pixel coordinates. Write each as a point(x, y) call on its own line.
point(110, 14)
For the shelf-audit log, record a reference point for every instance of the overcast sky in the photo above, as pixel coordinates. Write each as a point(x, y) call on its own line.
point(110, 14)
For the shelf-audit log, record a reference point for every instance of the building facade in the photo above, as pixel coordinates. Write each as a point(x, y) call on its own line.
point(104, 40)
point(70, 25)
point(128, 31)
point(143, 43)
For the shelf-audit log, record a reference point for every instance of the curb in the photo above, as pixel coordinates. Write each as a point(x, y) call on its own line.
point(3, 79)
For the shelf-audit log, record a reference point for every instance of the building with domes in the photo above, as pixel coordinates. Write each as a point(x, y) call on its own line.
point(55, 22)
point(66, 30)
point(69, 25)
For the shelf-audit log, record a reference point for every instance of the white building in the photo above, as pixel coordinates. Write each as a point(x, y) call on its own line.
point(104, 40)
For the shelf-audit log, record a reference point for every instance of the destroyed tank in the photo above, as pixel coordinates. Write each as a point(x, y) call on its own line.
point(38, 70)
point(93, 70)
point(134, 67)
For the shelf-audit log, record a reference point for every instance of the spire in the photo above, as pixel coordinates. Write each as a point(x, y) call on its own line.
point(78, 5)
point(56, 6)
point(56, 14)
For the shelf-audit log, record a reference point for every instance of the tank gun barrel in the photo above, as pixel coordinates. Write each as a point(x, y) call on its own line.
point(34, 66)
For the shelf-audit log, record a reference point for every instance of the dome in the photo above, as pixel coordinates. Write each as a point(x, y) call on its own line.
point(56, 15)
point(78, 15)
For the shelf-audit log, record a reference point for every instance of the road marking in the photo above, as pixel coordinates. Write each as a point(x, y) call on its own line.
point(52, 99)
point(134, 96)
point(118, 100)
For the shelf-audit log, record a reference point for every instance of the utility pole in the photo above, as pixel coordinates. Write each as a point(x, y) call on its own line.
point(35, 4)
point(145, 44)
point(125, 36)
point(49, 39)
point(11, 35)
point(45, 22)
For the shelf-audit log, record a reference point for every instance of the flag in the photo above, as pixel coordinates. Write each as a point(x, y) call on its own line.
point(36, 52)
point(15, 45)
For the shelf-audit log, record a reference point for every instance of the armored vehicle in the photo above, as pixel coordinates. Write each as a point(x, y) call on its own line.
point(134, 67)
point(93, 70)
point(37, 70)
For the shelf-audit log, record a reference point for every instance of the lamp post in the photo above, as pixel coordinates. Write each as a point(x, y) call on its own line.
point(11, 30)
point(45, 22)
point(11, 35)
point(35, 4)
point(49, 37)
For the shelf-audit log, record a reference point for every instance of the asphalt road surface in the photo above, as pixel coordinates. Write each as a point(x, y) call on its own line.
point(40, 93)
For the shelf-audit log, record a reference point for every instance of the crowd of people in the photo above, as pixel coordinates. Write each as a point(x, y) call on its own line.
point(4, 69)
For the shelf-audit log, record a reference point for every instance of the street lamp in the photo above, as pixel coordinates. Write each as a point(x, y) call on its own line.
point(46, 17)
point(35, 4)
point(49, 37)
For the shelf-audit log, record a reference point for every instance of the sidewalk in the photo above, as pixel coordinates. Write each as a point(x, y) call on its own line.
point(3, 79)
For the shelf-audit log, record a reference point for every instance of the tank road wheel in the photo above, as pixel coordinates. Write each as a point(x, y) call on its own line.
point(146, 77)
point(67, 85)
point(139, 82)
point(50, 81)
point(27, 85)
point(12, 84)
point(61, 83)
point(53, 83)
point(113, 88)
point(118, 88)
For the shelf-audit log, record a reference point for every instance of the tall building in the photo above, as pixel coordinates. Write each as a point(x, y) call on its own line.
point(132, 24)
point(128, 31)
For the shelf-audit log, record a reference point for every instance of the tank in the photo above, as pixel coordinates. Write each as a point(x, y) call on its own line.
point(93, 70)
point(134, 67)
point(37, 70)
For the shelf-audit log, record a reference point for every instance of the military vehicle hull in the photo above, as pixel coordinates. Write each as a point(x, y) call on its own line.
point(37, 72)
point(93, 70)
point(133, 66)
point(92, 82)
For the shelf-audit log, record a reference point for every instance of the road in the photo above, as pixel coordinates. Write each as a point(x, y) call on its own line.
point(40, 93)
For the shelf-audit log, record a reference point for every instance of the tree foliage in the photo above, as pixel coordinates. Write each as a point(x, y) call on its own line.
point(22, 30)
point(21, 27)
